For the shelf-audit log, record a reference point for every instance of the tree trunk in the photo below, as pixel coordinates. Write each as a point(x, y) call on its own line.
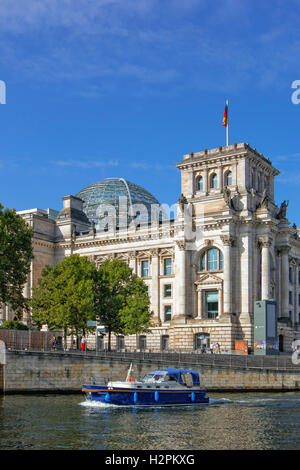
point(109, 341)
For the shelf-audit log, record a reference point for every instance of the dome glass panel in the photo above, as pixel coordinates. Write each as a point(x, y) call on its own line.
point(113, 192)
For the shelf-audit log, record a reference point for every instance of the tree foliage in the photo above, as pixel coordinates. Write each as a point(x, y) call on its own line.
point(74, 292)
point(15, 257)
point(13, 325)
point(123, 307)
point(64, 298)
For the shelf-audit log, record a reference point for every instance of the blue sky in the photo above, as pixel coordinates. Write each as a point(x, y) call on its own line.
point(102, 88)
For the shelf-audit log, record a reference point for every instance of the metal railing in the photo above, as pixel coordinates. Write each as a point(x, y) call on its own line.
point(40, 341)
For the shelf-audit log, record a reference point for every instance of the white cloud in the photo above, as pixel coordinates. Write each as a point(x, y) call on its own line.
point(85, 164)
point(184, 43)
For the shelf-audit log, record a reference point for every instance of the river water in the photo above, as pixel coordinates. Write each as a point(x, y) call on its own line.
point(232, 421)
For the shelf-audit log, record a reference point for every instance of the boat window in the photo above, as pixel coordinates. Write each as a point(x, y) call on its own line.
point(154, 378)
point(187, 379)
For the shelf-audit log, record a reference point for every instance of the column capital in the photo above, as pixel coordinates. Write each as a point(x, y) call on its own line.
point(180, 244)
point(227, 240)
point(265, 241)
point(132, 254)
point(284, 249)
point(154, 252)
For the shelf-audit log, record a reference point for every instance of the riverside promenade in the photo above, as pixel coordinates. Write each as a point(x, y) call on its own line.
point(34, 371)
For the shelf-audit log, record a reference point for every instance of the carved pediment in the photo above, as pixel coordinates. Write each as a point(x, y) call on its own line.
point(167, 252)
point(209, 279)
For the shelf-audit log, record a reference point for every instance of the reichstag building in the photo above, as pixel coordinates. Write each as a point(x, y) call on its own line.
point(226, 246)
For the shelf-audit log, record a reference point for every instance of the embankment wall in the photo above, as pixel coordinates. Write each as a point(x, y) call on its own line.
point(35, 372)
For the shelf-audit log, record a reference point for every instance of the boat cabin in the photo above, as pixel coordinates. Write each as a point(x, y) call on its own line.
point(189, 378)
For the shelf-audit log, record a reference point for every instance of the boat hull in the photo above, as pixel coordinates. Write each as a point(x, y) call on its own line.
point(144, 397)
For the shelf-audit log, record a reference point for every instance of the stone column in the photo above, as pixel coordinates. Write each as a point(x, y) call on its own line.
point(235, 176)
point(206, 182)
point(132, 261)
point(265, 268)
point(155, 288)
point(220, 179)
point(199, 303)
point(180, 282)
point(284, 251)
point(246, 274)
point(227, 289)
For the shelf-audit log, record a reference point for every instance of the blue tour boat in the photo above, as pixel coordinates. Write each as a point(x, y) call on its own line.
point(161, 387)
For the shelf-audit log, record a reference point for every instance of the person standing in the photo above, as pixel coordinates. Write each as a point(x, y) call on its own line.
point(53, 342)
point(83, 343)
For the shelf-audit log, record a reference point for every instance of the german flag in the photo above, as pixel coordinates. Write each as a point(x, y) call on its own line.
point(225, 117)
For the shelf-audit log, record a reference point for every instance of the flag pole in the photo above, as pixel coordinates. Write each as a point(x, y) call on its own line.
point(227, 133)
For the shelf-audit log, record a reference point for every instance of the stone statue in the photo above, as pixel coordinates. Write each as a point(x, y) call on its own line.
point(227, 198)
point(264, 199)
point(93, 228)
point(182, 201)
point(282, 211)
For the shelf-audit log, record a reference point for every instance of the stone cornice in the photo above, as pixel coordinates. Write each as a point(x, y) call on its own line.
point(43, 243)
point(225, 155)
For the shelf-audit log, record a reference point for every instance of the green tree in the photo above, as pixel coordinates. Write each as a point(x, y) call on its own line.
point(64, 298)
point(13, 325)
point(15, 258)
point(121, 301)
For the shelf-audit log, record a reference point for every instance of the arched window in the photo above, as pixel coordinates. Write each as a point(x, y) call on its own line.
point(228, 178)
point(199, 183)
point(213, 181)
point(211, 260)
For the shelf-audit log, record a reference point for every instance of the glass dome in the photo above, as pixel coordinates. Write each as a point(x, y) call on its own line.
point(113, 192)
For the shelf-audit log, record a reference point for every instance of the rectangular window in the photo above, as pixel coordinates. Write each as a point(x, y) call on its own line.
point(167, 312)
point(202, 341)
point(299, 300)
point(167, 290)
point(145, 268)
point(290, 297)
point(120, 342)
point(142, 342)
point(165, 342)
point(167, 266)
point(299, 278)
point(211, 304)
point(290, 274)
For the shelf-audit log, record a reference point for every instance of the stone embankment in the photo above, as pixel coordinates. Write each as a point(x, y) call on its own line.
point(48, 372)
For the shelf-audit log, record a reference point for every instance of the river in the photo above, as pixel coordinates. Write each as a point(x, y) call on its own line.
point(232, 421)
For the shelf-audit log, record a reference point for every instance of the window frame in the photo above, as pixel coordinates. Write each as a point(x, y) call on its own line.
point(167, 270)
point(207, 313)
point(142, 268)
point(165, 291)
point(226, 176)
point(167, 316)
point(213, 181)
point(199, 183)
point(203, 264)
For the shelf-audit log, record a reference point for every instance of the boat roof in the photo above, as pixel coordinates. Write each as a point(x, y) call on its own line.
point(175, 371)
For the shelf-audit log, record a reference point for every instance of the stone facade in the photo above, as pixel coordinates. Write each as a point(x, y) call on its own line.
point(229, 246)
